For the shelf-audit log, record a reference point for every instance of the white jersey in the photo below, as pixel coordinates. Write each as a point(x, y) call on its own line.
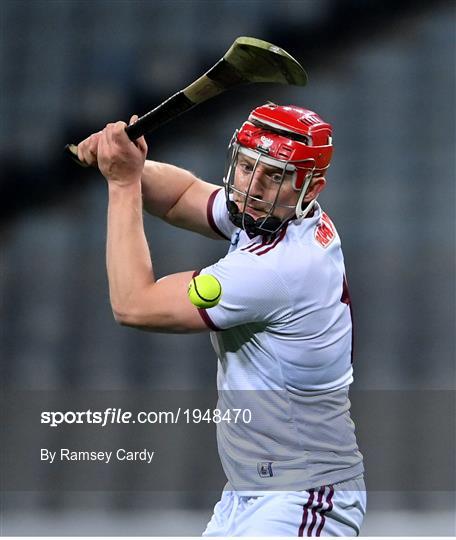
point(283, 335)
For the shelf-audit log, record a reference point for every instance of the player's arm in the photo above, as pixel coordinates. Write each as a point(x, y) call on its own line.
point(171, 193)
point(177, 196)
point(137, 299)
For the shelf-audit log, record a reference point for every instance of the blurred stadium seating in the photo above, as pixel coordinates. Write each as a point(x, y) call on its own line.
point(381, 72)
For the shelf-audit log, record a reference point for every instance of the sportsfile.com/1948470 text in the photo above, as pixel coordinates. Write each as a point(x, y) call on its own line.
point(113, 415)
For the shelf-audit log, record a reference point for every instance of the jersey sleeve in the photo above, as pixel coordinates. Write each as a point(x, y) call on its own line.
point(217, 214)
point(251, 293)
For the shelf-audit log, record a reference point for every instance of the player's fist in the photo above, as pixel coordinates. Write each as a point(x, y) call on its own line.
point(88, 150)
point(121, 160)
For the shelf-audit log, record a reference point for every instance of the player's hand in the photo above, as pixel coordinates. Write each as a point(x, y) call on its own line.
point(120, 160)
point(88, 149)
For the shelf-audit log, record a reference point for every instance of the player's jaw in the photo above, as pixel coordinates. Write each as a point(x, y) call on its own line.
point(259, 208)
point(253, 207)
point(259, 214)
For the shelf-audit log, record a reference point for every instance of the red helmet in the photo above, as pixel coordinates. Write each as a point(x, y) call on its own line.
point(290, 134)
point(289, 138)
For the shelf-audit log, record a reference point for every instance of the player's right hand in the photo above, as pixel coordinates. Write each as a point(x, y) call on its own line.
point(88, 150)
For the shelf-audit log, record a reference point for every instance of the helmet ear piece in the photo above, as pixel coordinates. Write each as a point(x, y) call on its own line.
point(302, 177)
point(301, 212)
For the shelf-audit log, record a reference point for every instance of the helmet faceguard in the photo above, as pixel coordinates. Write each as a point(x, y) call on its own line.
point(296, 144)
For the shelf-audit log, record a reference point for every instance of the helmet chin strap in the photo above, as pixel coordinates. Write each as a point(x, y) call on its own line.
point(253, 227)
point(300, 211)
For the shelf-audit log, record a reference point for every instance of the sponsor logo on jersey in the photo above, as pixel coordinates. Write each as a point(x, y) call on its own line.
point(235, 238)
point(264, 469)
point(325, 232)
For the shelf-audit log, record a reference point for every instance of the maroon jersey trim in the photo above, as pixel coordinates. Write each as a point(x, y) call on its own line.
point(209, 323)
point(210, 215)
point(274, 244)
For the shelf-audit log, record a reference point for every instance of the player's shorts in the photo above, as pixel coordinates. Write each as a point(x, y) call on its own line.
point(333, 510)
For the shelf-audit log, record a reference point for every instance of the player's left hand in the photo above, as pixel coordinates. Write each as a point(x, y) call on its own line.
point(120, 160)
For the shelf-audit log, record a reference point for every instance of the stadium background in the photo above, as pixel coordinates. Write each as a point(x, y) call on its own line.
point(381, 72)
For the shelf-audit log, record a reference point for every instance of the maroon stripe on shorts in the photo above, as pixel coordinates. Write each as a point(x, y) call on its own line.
point(210, 215)
point(305, 512)
point(327, 509)
point(315, 509)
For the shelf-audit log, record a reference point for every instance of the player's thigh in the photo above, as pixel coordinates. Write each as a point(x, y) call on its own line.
point(346, 515)
point(219, 523)
point(321, 512)
point(275, 514)
point(335, 510)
